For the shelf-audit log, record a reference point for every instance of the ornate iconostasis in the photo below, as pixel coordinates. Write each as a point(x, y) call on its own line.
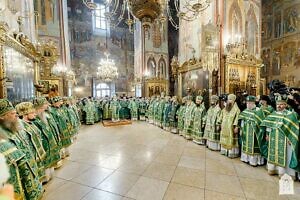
point(19, 65)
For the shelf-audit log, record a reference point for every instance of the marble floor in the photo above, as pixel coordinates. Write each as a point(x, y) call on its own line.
point(141, 161)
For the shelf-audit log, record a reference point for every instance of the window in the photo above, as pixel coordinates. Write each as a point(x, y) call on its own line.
point(100, 21)
point(102, 90)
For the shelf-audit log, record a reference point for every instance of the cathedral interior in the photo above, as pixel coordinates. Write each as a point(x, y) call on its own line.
point(137, 75)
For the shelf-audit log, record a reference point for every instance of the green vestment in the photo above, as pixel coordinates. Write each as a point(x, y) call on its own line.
point(28, 169)
point(54, 127)
point(14, 157)
point(89, 109)
point(280, 128)
point(34, 139)
point(115, 109)
point(188, 119)
point(160, 111)
point(210, 131)
point(124, 110)
point(228, 139)
point(249, 122)
point(180, 115)
point(142, 109)
point(60, 118)
point(198, 122)
point(133, 109)
point(49, 143)
point(173, 114)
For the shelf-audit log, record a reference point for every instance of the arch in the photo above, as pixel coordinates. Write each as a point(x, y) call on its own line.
point(151, 67)
point(252, 35)
point(103, 89)
point(162, 67)
point(235, 19)
point(102, 86)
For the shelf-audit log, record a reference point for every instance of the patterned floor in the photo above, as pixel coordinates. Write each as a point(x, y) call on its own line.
point(141, 161)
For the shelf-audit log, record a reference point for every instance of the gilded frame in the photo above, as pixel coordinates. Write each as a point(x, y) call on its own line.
point(20, 43)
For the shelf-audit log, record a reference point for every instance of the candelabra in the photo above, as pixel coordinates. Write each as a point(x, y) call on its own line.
point(238, 47)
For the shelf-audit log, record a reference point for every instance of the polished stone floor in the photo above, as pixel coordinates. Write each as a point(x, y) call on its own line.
point(141, 161)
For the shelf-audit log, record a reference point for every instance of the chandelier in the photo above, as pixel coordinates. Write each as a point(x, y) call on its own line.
point(61, 70)
point(149, 11)
point(190, 10)
point(107, 71)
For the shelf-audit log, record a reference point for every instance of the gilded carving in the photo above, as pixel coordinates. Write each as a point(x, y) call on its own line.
point(242, 75)
point(20, 43)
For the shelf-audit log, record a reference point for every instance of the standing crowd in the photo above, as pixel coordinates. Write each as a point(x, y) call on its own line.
point(259, 134)
point(256, 132)
point(34, 139)
point(35, 136)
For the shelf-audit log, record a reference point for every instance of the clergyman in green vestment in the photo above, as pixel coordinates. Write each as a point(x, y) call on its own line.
point(89, 110)
point(249, 121)
point(199, 121)
point(211, 134)
point(133, 106)
point(60, 118)
point(188, 118)
point(180, 116)
point(173, 115)
point(19, 154)
point(166, 113)
point(228, 120)
point(281, 133)
point(50, 144)
point(32, 134)
point(115, 109)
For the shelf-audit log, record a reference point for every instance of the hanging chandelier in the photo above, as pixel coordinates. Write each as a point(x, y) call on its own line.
point(107, 71)
point(191, 9)
point(149, 11)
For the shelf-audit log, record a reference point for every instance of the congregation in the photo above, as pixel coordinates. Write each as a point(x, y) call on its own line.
point(35, 136)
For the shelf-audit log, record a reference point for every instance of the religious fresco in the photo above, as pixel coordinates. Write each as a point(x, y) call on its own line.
point(48, 18)
point(277, 24)
point(291, 19)
point(88, 46)
point(266, 56)
point(267, 20)
point(251, 32)
point(285, 17)
point(288, 55)
point(194, 81)
point(276, 62)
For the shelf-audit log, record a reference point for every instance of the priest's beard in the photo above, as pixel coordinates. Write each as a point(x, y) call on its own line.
point(229, 106)
point(43, 117)
point(12, 126)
